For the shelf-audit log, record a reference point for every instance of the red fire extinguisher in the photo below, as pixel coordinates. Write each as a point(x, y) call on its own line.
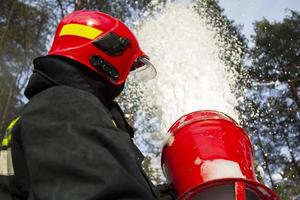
point(208, 156)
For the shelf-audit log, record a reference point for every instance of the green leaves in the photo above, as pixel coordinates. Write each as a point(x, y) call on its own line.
point(275, 74)
point(277, 50)
point(23, 32)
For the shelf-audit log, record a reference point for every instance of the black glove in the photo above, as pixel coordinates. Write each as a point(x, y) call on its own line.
point(165, 192)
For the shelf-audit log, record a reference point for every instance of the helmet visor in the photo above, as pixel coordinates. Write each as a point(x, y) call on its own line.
point(142, 70)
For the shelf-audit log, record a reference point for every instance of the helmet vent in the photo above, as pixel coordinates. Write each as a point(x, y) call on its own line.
point(105, 67)
point(112, 44)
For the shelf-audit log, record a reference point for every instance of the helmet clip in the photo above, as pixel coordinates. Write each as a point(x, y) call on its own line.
point(112, 44)
point(104, 66)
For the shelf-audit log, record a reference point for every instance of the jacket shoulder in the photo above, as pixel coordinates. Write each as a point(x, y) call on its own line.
point(68, 104)
point(66, 94)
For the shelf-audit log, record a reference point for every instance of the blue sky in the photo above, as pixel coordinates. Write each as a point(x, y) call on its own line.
point(245, 12)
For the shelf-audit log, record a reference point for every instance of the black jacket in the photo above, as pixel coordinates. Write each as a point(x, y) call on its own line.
point(72, 141)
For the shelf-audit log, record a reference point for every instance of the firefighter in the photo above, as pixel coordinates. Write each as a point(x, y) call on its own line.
point(71, 141)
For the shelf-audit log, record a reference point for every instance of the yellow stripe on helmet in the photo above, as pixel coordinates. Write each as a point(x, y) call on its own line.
point(80, 30)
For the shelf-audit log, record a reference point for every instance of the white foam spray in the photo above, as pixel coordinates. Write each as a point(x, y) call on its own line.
point(191, 76)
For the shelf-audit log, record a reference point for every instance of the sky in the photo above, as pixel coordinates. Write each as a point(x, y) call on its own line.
point(245, 12)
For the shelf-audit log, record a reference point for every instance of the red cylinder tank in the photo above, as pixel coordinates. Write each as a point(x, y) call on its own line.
point(208, 153)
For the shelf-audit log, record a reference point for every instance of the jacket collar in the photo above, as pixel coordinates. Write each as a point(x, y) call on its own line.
point(55, 70)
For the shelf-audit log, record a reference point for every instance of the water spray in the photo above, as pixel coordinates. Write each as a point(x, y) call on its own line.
point(191, 74)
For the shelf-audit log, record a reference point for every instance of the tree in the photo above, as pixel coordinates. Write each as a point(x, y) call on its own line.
point(22, 38)
point(274, 99)
point(121, 9)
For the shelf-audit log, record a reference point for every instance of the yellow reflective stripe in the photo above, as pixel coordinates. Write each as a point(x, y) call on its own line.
point(7, 138)
point(114, 123)
point(6, 163)
point(13, 123)
point(80, 30)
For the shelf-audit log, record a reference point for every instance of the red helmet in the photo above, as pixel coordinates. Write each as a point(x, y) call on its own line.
point(209, 156)
point(102, 43)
